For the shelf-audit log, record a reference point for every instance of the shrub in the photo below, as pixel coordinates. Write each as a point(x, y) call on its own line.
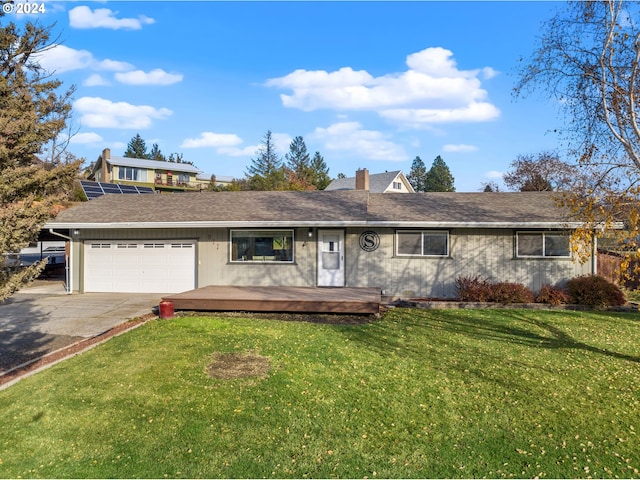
point(473, 289)
point(507, 292)
point(594, 291)
point(552, 295)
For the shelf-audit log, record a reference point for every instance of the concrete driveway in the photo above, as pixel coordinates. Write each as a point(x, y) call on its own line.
point(44, 318)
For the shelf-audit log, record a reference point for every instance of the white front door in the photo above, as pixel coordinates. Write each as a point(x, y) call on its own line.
point(330, 258)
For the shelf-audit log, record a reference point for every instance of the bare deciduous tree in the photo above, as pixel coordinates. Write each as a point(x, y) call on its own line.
point(540, 173)
point(588, 60)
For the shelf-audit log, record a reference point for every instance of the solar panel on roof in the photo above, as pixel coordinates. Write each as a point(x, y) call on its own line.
point(110, 188)
point(96, 189)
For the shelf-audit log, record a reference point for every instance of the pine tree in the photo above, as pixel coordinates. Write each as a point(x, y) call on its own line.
point(319, 172)
point(418, 175)
point(439, 178)
point(137, 148)
point(297, 160)
point(32, 115)
point(266, 171)
point(156, 154)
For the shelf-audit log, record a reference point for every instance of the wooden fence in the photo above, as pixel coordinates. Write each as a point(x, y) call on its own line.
point(609, 267)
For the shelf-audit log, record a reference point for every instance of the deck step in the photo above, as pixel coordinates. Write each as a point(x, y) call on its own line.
point(278, 299)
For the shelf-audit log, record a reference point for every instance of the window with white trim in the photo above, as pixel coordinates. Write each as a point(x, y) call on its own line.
point(133, 174)
point(542, 245)
point(262, 246)
point(422, 243)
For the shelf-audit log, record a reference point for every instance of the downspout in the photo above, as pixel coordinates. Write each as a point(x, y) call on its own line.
point(594, 255)
point(67, 271)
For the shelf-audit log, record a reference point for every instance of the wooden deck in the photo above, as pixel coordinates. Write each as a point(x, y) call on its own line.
point(278, 299)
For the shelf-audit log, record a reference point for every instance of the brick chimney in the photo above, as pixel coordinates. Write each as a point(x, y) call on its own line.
point(362, 179)
point(106, 155)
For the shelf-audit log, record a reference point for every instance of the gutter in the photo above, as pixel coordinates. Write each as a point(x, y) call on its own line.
point(310, 223)
point(67, 271)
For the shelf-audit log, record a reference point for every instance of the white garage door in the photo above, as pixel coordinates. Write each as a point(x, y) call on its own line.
point(139, 266)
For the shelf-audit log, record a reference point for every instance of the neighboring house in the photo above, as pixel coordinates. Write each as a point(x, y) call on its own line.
point(406, 245)
point(159, 175)
point(221, 180)
point(387, 182)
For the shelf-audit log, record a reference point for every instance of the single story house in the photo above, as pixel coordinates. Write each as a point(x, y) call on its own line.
point(407, 245)
point(387, 182)
point(159, 175)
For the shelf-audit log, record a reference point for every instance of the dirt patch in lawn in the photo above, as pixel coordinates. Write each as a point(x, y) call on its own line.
point(226, 366)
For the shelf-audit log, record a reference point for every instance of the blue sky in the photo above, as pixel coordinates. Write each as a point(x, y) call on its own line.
point(367, 84)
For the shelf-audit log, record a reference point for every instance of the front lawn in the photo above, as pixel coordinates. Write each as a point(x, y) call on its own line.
point(419, 393)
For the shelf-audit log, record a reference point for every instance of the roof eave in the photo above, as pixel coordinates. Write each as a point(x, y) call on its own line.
point(311, 223)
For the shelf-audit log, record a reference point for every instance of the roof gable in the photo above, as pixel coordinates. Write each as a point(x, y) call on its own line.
point(378, 182)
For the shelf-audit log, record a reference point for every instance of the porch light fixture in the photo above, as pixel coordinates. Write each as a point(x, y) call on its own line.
point(310, 233)
point(76, 233)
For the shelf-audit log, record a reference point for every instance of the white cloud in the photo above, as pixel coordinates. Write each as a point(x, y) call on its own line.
point(369, 144)
point(96, 112)
point(83, 17)
point(229, 144)
point(95, 80)
point(489, 72)
point(113, 65)
point(281, 141)
point(459, 148)
point(417, 117)
point(493, 174)
point(60, 58)
point(86, 138)
point(211, 139)
point(154, 77)
point(432, 90)
point(249, 151)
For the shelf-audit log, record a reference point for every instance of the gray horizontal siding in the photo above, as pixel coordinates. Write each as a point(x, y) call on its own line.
point(485, 252)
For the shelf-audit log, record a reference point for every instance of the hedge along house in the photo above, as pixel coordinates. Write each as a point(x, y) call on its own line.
point(412, 245)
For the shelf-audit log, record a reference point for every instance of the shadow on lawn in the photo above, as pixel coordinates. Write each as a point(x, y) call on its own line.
point(394, 333)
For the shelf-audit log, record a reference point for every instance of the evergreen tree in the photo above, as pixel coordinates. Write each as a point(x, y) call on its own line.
point(266, 171)
point(32, 115)
point(297, 160)
point(137, 148)
point(489, 187)
point(439, 178)
point(156, 154)
point(319, 172)
point(418, 175)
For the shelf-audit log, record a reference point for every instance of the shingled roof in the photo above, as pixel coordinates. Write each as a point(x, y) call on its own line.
point(317, 208)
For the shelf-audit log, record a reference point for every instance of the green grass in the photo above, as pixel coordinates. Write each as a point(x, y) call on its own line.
point(632, 295)
point(419, 393)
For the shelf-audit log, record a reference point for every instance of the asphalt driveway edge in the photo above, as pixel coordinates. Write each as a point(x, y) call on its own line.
point(19, 372)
